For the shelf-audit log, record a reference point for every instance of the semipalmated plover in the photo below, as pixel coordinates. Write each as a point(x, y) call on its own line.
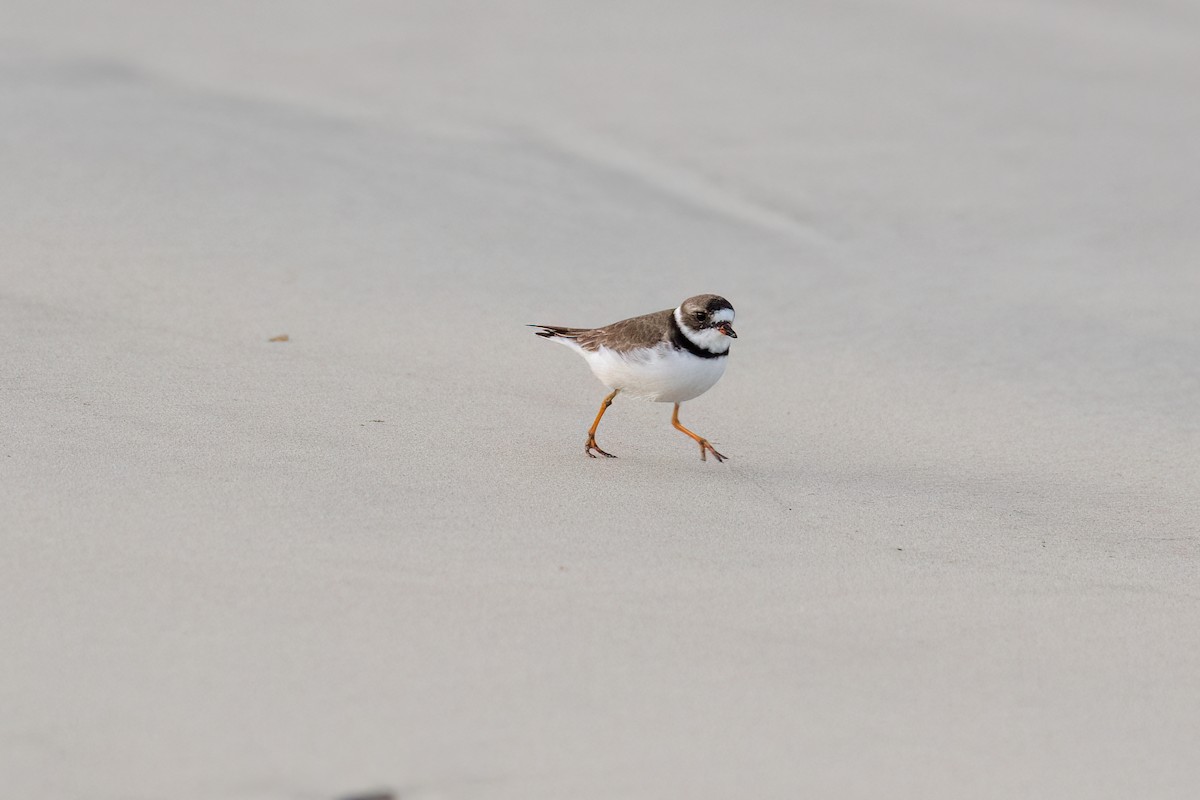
point(669, 357)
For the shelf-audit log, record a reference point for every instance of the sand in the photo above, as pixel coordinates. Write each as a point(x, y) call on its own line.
point(954, 552)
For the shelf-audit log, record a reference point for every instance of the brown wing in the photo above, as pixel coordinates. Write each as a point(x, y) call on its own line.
point(628, 334)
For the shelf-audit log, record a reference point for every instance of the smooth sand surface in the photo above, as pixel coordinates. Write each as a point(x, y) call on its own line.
point(954, 552)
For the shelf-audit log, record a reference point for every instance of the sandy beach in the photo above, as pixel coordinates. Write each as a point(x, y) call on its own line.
point(955, 551)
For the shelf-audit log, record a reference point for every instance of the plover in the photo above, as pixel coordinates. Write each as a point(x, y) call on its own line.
point(669, 356)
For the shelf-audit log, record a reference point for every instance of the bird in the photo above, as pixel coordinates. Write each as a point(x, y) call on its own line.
point(669, 356)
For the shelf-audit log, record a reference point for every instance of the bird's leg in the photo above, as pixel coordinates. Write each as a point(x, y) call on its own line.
point(705, 447)
point(591, 440)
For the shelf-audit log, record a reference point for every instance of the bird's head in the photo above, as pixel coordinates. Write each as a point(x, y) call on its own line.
point(707, 319)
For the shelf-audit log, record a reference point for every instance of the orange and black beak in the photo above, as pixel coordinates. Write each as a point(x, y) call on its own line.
point(727, 329)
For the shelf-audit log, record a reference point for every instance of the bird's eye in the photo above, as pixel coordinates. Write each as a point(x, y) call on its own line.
point(699, 315)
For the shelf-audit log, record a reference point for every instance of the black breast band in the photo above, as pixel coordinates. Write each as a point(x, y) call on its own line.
point(682, 342)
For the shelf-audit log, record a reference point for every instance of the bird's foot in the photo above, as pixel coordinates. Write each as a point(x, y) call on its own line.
point(591, 445)
point(706, 448)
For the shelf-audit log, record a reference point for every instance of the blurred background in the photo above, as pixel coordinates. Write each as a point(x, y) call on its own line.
point(955, 548)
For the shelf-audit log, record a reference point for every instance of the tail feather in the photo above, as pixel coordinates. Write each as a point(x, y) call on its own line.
point(557, 331)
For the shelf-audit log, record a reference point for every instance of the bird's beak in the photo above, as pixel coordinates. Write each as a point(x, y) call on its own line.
point(727, 329)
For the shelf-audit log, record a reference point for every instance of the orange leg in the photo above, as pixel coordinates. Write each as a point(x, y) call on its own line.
point(705, 447)
point(591, 442)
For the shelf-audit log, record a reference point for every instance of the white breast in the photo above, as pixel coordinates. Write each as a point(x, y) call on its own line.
point(662, 374)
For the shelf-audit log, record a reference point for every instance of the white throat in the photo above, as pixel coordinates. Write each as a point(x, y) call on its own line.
point(709, 339)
